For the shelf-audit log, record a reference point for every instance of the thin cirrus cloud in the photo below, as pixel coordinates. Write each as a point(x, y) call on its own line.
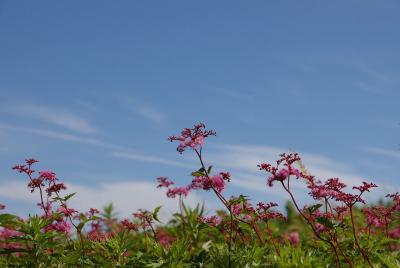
point(140, 108)
point(150, 159)
point(383, 152)
point(118, 151)
point(59, 135)
point(244, 159)
point(59, 117)
point(149, 113)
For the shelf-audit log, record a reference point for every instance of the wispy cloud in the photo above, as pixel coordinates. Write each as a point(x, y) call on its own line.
point(244, 159)
point(59, 135)
point(118, 151)
point(383, 152)
point(150, 159)
point(149, 113)
point(56, 116)
point(127, 196)
point(143, 109)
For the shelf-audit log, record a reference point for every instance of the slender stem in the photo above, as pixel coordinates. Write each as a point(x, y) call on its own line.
point(312, 226)
point(365, 256)
point(40, 190)
point(223, 199)
point(230, 241)
point(277, 251)
point(41, 200)
point(152, 229)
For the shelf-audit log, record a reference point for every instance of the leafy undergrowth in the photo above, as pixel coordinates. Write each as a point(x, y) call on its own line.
point(337, 230)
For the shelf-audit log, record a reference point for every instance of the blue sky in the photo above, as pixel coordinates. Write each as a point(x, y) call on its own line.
point(93, 89)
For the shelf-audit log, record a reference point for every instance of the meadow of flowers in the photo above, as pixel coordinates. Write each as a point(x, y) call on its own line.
point(338, 229)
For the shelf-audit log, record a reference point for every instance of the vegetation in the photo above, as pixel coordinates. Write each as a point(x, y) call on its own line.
point(338, 230)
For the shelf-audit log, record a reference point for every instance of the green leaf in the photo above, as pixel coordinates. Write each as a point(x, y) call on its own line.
point(325, 222)
point(314, 208)
point(7, 218)
point(209, 169)
point(199, 173)
point(69, 196)
point(155, 213)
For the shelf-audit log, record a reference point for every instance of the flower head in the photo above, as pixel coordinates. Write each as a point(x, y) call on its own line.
point(192, 137)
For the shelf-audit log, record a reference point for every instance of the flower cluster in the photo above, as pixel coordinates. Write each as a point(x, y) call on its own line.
point(192, 137)
point(265, 213)
point(281, 174)
point(44, 177)
point(216, 182)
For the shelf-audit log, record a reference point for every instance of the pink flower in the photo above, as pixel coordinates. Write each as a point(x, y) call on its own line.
point(31, 161)
point(395, 233)
point(211, 220)
point(319, 228)
point(173, 192)
point(225, 176)
point(164, 238)
point(6, 233)
point(215, 182)
point(55, 188)
point(129, 225)
point(281, 175)
point(59, 226)
point(67, 211)
point(47, 176)
point(365, 187)
point(192, 137)
point(218, 183)
point(294, 238)
point(236, 209)
point(164, 182)
point(93, 211)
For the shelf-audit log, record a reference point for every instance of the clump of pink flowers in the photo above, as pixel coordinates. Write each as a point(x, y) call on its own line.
point(192, 137)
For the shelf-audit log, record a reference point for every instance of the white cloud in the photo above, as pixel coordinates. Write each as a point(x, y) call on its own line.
point(149, 113)
point(383, 152)
point(127, 196)
point(243, 159)
point(60, 135)
point(150, 159)
point(59, 117)
point(142, 109)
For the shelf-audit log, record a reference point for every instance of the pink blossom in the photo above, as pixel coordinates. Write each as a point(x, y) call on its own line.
point(294, 238)
point(236, 209)
point(211, 220)
point(192, 137)
point(395, 233)
point(218, 183)
point(31, 161)
point(67, 211)
point(215, 182)
point(6, 233)
point(93, 211)
point(164, 238)
point(319, 228)
point(365, 187)
point(55, 188)
point(281, 175)
point(129, 225)
point(59, 226)
point(173, 192)
point(225, 176)
point(48, 176)
point(164, 182)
